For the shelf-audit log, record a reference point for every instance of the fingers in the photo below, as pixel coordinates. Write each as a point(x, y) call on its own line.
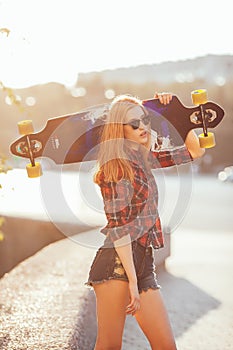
point(134, 304)
point(164, 97)
point(133, 307)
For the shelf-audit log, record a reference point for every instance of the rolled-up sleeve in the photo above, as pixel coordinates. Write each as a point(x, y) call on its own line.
point(169, 158)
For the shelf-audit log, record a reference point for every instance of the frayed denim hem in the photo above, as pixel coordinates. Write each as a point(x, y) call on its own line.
point(145, 289)
point(90, 284)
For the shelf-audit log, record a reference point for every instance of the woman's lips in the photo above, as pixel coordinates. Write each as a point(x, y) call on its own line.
point(144, 133)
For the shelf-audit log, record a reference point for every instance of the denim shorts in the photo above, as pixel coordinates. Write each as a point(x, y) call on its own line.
point(107, 265)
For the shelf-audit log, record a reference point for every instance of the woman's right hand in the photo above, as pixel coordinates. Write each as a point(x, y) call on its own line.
point(164, 97)
point(134, 304)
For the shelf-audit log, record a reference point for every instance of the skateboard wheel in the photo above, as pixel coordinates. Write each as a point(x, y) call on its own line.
point(34, 171)
point(207, 141)
point(25, 127)
point(199, 97)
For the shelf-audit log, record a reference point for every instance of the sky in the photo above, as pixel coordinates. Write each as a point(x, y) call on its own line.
point(55, 40)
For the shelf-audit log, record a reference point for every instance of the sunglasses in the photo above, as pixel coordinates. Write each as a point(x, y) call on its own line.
point(135, 123)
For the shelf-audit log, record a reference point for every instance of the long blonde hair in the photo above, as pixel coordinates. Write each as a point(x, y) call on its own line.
point(112, 160)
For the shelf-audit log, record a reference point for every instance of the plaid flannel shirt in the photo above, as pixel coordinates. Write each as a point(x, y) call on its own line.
point(132, 208)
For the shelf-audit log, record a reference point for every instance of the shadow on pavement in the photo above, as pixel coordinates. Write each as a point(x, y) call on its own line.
point(185, 302)
point(84, 337)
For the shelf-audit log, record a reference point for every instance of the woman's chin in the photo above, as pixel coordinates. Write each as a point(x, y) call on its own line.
point(144, 140)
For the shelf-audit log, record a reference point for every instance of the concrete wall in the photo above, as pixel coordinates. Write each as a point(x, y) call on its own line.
point(24, 237)
point(44, 303)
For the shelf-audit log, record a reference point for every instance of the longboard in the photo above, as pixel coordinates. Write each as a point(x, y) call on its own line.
point(74, 138)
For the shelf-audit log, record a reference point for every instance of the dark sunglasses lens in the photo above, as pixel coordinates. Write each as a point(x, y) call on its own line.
point(146, 120)
point(135, 124)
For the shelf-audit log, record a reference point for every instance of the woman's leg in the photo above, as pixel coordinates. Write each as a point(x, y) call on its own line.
point(153, 319)
point(112, 298)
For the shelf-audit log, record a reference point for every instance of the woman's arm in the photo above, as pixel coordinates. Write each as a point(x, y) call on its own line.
point(124, 250)
point(191, 142)
point(193, 146)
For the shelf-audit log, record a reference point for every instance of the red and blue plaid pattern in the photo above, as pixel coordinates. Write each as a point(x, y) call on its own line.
point(132, 208)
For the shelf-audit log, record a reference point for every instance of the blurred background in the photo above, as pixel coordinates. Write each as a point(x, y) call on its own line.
point(43, 101)
point(58, 57)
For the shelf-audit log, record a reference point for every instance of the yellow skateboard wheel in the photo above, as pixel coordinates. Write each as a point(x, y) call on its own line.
point(207, 141)
point(25, 127)
point(34, 170)
point(199, 96)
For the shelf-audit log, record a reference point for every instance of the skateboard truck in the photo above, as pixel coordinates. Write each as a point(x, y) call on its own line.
point(199, 98)
point(34, 169)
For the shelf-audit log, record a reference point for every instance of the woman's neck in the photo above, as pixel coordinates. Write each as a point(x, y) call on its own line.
point(132, 145)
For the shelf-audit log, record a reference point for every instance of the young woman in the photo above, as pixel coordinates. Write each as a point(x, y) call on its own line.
point(123, 273)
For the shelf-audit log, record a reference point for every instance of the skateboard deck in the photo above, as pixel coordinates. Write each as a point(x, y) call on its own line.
point(74, 138)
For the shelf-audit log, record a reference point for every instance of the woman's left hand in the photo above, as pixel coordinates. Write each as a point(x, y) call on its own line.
point(164, 97)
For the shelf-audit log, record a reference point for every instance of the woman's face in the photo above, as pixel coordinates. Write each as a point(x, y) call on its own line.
point(137, 126)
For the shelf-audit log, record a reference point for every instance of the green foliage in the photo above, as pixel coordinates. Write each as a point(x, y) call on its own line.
point(13, 98)
point(4, 167)
point(5, 31)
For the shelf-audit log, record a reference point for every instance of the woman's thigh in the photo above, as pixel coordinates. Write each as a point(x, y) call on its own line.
point(153, 319)
point(112, 297)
